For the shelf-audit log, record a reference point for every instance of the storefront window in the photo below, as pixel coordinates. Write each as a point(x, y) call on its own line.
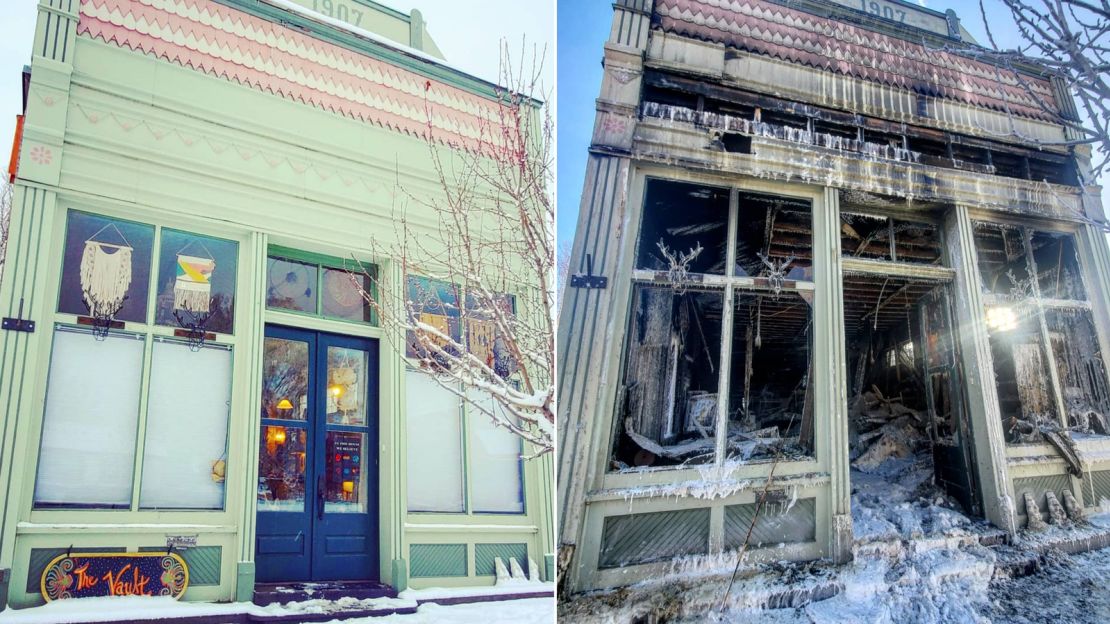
point(1041, 332)
point(678, 396)
point(435, 453)
point(435, 303)
point(332, 288)
point(291, 285)
point(106, 268)
point(196, 282)
point(495, 462)
point(341, 297)
point(87, 453)
point(185, 455)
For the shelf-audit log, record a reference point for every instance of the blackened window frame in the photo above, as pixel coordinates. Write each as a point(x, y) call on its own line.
point(728, 286)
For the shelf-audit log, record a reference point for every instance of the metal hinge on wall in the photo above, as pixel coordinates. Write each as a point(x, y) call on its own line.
point(588, 279)
point(18, 323)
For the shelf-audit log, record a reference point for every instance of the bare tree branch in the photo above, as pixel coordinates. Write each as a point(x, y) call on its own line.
point(487, 331)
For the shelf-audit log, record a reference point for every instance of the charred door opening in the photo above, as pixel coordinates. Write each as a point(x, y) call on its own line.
point(909, 437)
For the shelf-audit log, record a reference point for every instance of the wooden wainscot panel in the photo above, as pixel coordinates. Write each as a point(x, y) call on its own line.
point(87, 575)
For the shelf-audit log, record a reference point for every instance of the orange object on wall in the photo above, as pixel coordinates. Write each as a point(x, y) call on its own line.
point(17, 142)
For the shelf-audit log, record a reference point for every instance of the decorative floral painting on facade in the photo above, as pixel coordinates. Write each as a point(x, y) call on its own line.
point(106, 268)
point(196, 282)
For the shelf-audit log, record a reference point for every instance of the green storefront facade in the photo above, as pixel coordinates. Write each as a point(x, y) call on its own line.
point(194, 180)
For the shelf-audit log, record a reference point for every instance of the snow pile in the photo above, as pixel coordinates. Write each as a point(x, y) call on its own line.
point(898, 500)
point(137, 608)
point(530, 611)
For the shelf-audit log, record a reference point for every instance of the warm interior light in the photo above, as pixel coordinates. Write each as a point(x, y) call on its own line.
point(1001, 318)
point(279, 435)
point(348, 486)
point(284, 404)
point(336, 390)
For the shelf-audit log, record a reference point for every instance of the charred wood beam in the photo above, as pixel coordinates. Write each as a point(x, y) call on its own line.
point(700, 87)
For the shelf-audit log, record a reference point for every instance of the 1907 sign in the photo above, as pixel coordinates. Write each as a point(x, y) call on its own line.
point(85, 575)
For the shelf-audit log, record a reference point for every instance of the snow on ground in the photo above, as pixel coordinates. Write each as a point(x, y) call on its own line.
point(917, 561)
point(503, 587)
point(528, 611)
point(134, 608)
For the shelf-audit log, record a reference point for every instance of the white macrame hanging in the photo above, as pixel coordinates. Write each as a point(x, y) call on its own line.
point(105, 276)
point(192, 291)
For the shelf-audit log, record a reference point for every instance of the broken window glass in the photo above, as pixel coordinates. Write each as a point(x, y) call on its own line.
point(1057, 266)
point(1003, 260)
point(774, 237)
point(684, 224)
point(1079, 366)
point(1025, 395)
point(669, 410)
point(770, 393)
point(885, 238)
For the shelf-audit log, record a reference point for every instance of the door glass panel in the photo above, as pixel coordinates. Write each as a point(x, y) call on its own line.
point(281, 466)
point(345, 490)
point(285, 379)
point(346, 392)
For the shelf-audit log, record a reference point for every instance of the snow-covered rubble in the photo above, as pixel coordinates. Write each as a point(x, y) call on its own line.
point(917, 560)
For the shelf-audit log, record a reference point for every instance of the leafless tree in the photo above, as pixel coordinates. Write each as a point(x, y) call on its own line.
point(475, 305)
point(562, 270)
point(1071, 40)
point(5, 219)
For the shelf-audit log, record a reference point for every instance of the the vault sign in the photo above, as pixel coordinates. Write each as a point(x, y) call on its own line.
point(87, 575)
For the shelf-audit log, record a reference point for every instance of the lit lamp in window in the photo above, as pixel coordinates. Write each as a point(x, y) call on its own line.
point(335, 390)
point(1001, 318)
point(348, 489)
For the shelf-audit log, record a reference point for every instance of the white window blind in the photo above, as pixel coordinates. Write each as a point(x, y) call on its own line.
point(87, 453)
point(495, 465)
point(186, 430)
point(435, 460)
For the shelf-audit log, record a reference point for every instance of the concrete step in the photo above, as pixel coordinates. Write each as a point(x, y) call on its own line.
point(284, 593)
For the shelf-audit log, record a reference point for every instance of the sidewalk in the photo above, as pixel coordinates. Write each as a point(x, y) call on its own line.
point(516, 602)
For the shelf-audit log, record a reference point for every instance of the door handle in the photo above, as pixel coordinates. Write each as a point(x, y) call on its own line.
point(320, 497)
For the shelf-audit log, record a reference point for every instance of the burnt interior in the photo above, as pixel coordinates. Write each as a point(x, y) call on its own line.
point(1037, 328)
point(686, 99)
point(904, 399)
point(886, 238)
point(669, 412)
point(684, 217)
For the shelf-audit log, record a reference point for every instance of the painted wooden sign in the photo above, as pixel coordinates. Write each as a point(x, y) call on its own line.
point(87, 575)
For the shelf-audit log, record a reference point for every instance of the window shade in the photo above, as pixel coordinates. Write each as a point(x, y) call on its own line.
point(87, 453)
point(435, 460)
point(186, 430)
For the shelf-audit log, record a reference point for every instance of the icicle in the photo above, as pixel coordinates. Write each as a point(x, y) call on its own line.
point(758, 322)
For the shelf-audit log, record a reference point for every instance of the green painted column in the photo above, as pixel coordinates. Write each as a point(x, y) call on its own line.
point(30, 229)
point(830, 382)
point(978, 371)
point(584, 321)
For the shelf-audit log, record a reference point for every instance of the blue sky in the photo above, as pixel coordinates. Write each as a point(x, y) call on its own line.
point(583, 29)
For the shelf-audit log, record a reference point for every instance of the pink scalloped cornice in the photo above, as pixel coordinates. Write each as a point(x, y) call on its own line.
point(230, 44)
point(799, 37)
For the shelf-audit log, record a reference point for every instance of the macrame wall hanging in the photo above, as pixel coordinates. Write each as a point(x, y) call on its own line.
point(105, 277)
point(192, 291)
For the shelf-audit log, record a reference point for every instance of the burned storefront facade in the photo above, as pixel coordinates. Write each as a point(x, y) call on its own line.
point(812, 240)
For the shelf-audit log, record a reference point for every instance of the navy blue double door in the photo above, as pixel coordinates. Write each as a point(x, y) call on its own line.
point(317, 458)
